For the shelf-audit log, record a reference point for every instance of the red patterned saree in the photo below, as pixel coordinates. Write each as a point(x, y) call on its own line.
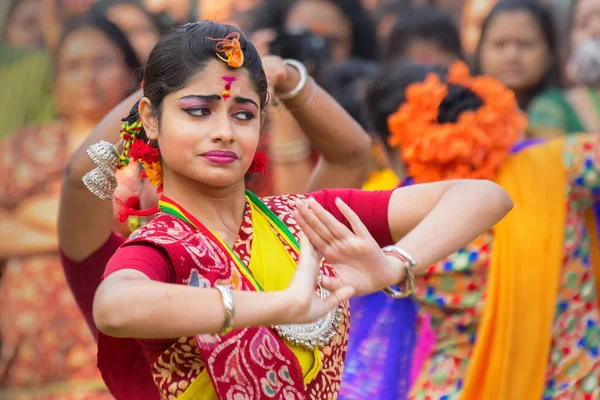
point(253, 363)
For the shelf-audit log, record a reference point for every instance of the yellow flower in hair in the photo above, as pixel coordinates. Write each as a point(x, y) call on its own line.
point(153, 173)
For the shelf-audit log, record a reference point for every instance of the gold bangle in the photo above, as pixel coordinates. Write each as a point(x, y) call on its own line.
point(291, 152)
point(227, 298)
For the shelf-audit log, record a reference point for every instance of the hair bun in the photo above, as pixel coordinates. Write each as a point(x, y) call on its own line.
point(462, 128)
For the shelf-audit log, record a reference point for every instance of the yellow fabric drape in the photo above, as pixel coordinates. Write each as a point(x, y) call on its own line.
point(273, 267)
point(382, 180)
point(513, 342)
point(201, 389)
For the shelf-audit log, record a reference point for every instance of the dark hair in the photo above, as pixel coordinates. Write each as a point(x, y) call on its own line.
point(110, 30)
point(103, 6)
point(270, 14)
point(364, 36)
point(571, 17)
point(544, 19)
point(10, 10)
point(184, 52)
point(425, 23)
point(346, 83)
point(387, 91)
point(273, 13)
point(458, 100)
point(397, 7)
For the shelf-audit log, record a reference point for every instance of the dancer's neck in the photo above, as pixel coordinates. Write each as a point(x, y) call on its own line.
point(220, 209)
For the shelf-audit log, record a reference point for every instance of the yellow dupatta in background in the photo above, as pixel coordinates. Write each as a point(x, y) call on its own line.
point(385, 179)
point(512, 348)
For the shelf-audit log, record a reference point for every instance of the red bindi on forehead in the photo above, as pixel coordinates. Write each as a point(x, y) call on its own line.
point(228, 81)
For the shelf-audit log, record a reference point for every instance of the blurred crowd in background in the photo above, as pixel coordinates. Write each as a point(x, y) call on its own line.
point(546, 51)
point(64, 64)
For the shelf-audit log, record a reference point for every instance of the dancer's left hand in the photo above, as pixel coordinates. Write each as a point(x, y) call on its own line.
point(355, 256)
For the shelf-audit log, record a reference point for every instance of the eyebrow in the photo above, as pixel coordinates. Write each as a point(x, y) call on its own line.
point(216, 97)
point(245, 100)
point(208, 98)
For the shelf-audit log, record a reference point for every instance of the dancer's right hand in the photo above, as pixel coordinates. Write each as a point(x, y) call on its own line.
point(305, 304)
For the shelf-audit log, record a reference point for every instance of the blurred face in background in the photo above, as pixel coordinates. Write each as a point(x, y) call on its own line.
point(474, 13)
point(586, 21)
point(514, 50)
point(91, 76)
point(324, 18)
point(583, 66)
point(245, 5)
point(371, 5)
point(74, 7)
point(454, 7)
point(429, 52)
point(137, 26)
point(23, 28)
point(179, 10)
point(217, 10)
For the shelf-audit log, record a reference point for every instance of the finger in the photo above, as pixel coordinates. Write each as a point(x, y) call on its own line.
point(318, 243)
point(357, 226)
point(315, 223)
point(314, 237)
point(331, 283)
point(308, 266)
point(307, 251)
point(339, 296)
point(337, 229)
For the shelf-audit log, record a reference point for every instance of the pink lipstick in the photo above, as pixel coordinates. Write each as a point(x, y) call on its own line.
point(220, 156)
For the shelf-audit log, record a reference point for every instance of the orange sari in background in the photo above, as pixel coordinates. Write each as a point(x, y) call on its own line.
point(48, 351)
point(508, 331)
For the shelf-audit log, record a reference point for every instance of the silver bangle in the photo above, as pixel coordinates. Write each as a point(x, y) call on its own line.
point(301, 83)
point(409, 281)
point(227, 298)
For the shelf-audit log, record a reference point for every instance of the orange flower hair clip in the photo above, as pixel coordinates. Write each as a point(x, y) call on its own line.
point(229, 50)
point(475, 146)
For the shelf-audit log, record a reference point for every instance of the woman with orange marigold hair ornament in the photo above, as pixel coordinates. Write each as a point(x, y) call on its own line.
point(515, 312)
point(223, 291)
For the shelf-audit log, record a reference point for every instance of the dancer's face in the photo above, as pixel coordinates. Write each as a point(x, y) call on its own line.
point(202, 136)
